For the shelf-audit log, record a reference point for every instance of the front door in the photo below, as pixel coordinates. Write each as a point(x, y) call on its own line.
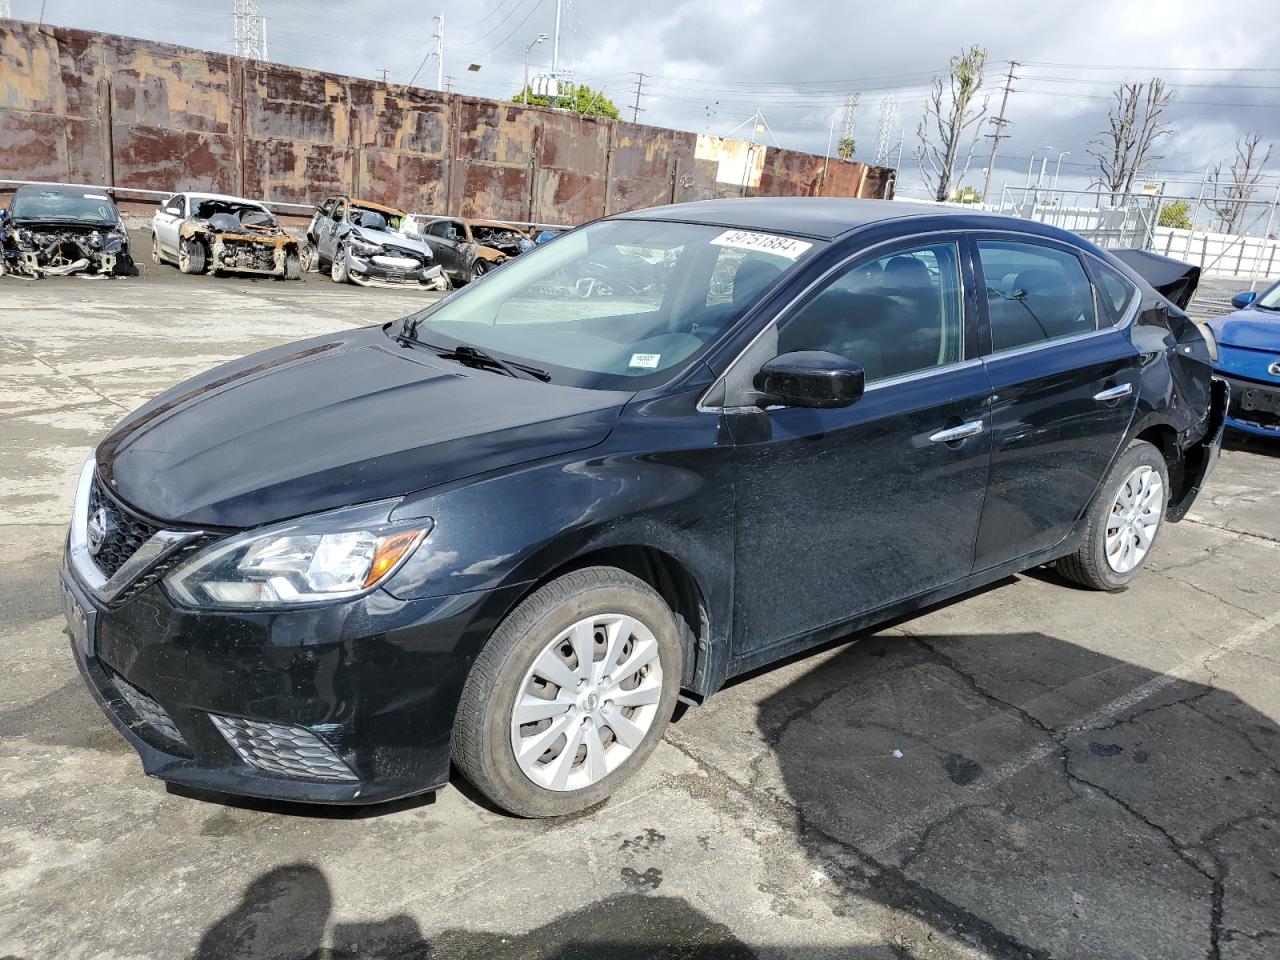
point(167, 221)
point(1065, 381)
point(327, 227)
point(442, 237)
point(840, 512)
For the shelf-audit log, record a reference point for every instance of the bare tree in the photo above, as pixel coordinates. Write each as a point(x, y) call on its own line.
point(1231, 196)
point(1134, 126)
point(949, 114)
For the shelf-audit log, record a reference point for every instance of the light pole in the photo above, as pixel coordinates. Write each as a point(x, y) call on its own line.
point(1044, 162)
point(831, 132)
point(537, 40)
point(1057, 168)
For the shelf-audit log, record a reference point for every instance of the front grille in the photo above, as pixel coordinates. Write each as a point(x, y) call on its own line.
point(163, 566)
point(126, 532)
point(147, 710)
point(281, 749)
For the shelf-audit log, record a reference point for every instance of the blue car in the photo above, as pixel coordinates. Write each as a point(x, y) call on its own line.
point(1249, 359)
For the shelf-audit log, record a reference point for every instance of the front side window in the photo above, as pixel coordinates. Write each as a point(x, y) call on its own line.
point(174, 206)
point(1034, 293)
point(894, 315)
point(618, 304)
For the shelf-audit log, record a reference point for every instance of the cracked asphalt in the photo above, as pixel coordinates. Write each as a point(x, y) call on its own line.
point(1031, 771)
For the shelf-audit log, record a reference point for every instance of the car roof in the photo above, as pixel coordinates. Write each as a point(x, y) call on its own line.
point(823, 218)
point(224, 197)
point(65, 188)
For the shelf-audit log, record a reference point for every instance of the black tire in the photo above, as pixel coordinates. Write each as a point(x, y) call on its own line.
point(482, 747)
point(310, 258)
point(292, 265)
point(478, 269)
point(156, 256)
point(1089, 566)
point(192, 256)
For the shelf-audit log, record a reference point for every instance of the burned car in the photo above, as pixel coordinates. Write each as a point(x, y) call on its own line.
point(358, 241)
point(209, 231)
point(467, 249)
point(54, 230)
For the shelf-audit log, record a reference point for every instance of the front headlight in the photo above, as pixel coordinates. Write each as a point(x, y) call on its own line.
point(363, 248)
point(332, 556)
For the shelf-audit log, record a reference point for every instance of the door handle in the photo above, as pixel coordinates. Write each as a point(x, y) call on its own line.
point(1114, 393)
point(952, 434)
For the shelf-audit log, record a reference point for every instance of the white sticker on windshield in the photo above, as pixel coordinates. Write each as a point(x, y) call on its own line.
point(764, 242)
point(645, 361)
point(94, 196)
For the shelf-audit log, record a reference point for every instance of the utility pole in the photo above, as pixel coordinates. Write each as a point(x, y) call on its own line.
point(383, 71)
point(555, 59)
point(440, 51)
point(999, 123)
point(635, 111)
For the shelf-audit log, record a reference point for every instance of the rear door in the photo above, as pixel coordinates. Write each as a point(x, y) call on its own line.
point(1065, 380)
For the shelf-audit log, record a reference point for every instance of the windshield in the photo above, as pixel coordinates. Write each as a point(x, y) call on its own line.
point(374, 219)
point(249, 214)
point(618, 304)
point(1270, 299)
point(84, 206)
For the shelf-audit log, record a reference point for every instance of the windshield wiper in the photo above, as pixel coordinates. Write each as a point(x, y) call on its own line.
point(475, 357)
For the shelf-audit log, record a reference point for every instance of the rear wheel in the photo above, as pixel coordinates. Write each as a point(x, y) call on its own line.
point(1123, 521)
point(570, 695)
point(191, 256)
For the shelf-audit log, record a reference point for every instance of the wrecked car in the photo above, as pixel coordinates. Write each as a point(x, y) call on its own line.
point(54, 230)
point(468, 249)
point(504, 537)
point(208, 231)
point(358, 241)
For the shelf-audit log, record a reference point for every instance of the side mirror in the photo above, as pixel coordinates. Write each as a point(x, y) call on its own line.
point(810, 378)
point(1242, 300)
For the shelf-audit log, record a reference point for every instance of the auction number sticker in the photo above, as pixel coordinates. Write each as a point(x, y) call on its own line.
point(645, 361)
point(787, 247)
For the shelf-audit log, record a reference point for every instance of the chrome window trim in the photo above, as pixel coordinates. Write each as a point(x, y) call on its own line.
point(160, 545)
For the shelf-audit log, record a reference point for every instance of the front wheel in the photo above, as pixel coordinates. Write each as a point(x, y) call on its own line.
point(570, 695)
point(191, 256)
point(338, 271)
point(1123, 521)
point(156, 257)
point(292, 266)
point(478, 269)
point(310, 258)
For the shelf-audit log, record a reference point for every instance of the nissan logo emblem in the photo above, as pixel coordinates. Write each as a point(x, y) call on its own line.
point(97, 529)
point(1274, 369)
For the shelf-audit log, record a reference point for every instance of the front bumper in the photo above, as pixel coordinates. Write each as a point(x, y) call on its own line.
point(389, 271)
point(348, 703)
point(1255, 406)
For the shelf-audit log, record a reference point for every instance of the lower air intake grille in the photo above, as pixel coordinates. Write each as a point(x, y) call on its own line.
point(148, 711)
point(286, 750)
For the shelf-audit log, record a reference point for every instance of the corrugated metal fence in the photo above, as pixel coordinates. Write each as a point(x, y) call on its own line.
point(95, 108)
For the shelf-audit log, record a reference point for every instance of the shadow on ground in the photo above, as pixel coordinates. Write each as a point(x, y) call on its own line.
point(949, 777)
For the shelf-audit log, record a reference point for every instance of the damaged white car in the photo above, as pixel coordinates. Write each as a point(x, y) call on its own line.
point(355, 241)
point(53, 230)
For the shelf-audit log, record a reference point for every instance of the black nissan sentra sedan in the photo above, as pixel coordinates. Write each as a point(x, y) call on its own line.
point(512, 530)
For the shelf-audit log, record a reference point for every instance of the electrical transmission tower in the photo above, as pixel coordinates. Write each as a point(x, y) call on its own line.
point(250, 30)
point(884, 135)
point(4, 9)
point(846, 126)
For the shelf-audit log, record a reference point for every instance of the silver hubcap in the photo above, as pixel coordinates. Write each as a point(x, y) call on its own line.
point(587, 702)
point(1135, 517)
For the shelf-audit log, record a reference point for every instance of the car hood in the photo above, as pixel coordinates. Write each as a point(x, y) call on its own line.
point(334, 421)
point(388, 239)
point(1250, 329)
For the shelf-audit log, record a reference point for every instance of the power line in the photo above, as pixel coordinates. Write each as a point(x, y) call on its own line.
point(1163, 69)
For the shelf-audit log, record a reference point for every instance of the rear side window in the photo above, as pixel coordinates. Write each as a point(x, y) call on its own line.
point(1117, 291)
point(894, 315)
point(1034, 293)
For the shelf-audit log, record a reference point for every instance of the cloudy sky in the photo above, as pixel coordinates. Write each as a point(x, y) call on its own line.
point(710, 64)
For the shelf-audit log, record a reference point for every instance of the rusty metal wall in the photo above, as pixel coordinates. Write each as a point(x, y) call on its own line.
point(95, 108)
